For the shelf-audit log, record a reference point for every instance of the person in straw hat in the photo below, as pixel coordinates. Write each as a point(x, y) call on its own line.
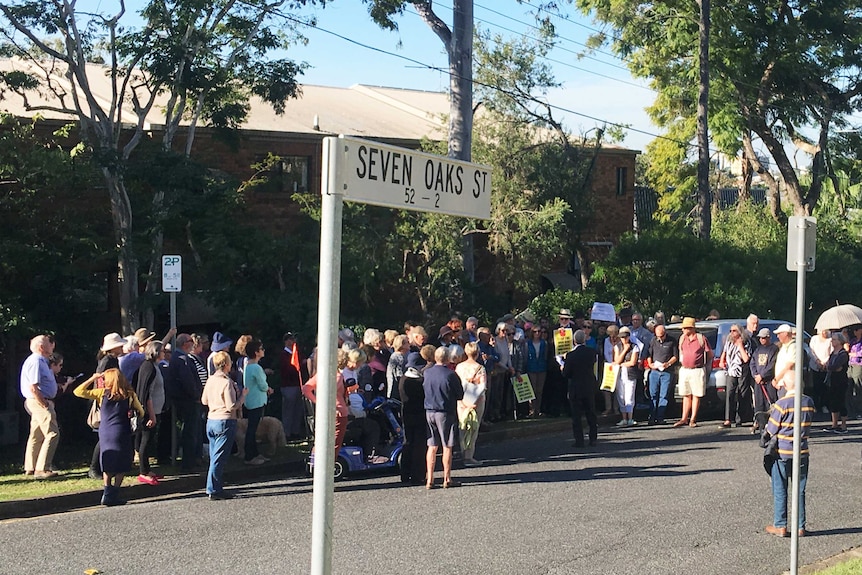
point(695, 361)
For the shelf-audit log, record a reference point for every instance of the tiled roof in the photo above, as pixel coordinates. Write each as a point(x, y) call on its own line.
point(360, 110)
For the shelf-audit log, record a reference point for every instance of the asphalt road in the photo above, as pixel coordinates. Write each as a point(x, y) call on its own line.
point(646, 501)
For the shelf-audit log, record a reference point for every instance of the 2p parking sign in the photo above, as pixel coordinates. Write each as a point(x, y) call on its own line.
point(172, 274)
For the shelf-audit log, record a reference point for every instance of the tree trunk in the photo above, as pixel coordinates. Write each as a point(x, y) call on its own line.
point(703, 215)
point(792, 187)
point(773, 194)
point(155, 273)
point(127, 264)
point(747, 177)
point(460, 53)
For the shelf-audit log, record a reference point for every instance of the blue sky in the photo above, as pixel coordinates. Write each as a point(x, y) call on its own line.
point(599, 87)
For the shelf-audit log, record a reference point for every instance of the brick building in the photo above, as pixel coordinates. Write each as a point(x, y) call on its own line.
point(395, 116)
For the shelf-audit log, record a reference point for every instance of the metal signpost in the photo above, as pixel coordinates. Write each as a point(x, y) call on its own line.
point(801, 236)
point(371, 173)
point(172, 283)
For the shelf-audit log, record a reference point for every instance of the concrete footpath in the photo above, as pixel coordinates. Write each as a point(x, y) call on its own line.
point(293, 466)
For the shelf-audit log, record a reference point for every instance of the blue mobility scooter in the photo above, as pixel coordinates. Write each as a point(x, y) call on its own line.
point(352, 458)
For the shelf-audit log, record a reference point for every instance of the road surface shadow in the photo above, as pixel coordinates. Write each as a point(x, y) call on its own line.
point(590, 473)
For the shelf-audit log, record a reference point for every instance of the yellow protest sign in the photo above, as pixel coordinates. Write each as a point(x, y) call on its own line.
point(523, 388)
point(564, 341)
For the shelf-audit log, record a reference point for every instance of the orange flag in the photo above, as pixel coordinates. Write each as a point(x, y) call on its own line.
point(294, 361)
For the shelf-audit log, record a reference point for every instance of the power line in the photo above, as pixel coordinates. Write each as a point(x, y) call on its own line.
point(558, 14)
point(561, 16)
point(475, 82)
point(556, 35)
point(560, 62)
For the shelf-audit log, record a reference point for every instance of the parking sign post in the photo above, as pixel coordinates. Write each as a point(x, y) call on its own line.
point(172, 283)
point(801, 234)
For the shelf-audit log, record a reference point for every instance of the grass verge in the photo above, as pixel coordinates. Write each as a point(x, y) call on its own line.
point(20, 486)
point(851, 567)
point(14, 485)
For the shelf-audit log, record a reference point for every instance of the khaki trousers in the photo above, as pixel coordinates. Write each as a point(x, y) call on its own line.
point(44, 436)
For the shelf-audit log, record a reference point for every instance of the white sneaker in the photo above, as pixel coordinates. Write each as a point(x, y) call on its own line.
point(622, 423)
point(259, 460)
point(632, 422)
point(472, 463)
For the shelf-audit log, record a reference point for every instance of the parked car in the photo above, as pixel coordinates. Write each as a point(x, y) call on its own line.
point(715, 332)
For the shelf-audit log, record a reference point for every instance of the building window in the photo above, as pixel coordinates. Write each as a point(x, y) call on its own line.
point(288, 174)
point(622, 181)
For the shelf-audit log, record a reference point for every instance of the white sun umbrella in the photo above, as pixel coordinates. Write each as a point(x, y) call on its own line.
point(838, 317)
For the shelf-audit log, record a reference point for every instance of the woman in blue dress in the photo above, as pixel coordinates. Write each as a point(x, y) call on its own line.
point(118, 404)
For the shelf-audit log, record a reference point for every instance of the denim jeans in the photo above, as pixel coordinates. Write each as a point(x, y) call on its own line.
point(221, 433)
point(781, 472)
point(659, 385)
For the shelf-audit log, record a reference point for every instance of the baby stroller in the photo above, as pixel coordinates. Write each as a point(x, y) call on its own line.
point(352, 457)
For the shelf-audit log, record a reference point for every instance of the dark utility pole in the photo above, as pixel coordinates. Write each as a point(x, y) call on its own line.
point(703, 213)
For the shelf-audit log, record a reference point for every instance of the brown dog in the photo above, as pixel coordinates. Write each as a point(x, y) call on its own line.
point(269, 431)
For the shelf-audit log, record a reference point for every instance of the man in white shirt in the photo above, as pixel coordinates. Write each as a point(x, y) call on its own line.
point(786, 359)
point(39, 387)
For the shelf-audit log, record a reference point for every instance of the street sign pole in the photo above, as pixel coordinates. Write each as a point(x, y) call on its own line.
point(327, 328)
point(378, 174)
point(801, 234)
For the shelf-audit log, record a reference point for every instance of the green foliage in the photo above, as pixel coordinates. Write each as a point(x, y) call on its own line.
point(52, 253)
point(668, 269)
point(549, 304)
point(776, 68)
point(850, 567)
point(540, 175)
point(740, 270)
point(382, 12)
point(261, 280)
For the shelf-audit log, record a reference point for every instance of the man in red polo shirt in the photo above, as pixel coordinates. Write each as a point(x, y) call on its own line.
point(695, 358)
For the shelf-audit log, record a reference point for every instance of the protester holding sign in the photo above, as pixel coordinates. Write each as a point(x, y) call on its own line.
point(626, 356)
point(537, 365)
point(471, 408)
point(613, 338)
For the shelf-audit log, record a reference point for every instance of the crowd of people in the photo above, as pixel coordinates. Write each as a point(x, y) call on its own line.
point(448, 388)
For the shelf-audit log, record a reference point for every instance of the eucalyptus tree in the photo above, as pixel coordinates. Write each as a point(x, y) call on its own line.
point(458, 42)
point(206, 57)
point(542, 191)
point(780, 70)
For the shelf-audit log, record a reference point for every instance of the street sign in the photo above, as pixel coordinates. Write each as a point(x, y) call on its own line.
point(389, 176)
point(801, 229)
point(370, 173)
point(172, 273)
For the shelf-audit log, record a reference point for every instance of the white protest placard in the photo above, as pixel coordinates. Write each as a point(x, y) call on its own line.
point(603, 312)
point(389, 176)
